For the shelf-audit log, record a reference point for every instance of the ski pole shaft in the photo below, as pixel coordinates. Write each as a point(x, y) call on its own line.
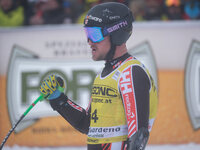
point(40, 98)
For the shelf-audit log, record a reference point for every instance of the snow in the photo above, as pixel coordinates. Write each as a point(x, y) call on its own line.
point(190, 146)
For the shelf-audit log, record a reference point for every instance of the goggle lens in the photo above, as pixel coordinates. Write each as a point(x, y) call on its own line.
point(94, 34)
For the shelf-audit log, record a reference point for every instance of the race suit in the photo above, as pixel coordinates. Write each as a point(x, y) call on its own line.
point(123, 100)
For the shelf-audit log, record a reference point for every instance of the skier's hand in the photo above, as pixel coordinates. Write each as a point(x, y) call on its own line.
point(52, 87)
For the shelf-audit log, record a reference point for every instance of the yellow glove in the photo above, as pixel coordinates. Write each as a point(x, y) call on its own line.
point(52, 87)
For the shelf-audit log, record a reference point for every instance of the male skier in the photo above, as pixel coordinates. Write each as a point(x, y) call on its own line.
point(123, 101)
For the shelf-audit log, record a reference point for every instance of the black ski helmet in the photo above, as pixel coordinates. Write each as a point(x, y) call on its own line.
point(114, 18)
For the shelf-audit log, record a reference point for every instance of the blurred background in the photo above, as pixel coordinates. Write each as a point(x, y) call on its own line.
point(39, 12)
point(38, 37)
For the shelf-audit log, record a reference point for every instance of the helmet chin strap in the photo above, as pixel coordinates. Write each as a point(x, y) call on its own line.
point(111, 52)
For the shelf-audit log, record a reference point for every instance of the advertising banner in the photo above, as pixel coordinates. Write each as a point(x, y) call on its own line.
point(28, 55)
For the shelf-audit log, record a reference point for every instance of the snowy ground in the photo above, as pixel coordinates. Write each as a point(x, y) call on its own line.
point(190, 146)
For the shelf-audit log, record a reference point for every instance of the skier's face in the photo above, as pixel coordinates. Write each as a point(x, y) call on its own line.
point(100, 49)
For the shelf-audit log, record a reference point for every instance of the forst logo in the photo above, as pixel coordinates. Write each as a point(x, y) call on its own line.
point(73, 85)
point(25, 74)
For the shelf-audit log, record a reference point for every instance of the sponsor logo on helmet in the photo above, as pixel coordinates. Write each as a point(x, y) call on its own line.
point(114, 17)
point(90, 17)
point(117, 26)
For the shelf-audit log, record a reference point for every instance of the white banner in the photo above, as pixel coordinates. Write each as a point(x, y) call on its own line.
point(170, 41)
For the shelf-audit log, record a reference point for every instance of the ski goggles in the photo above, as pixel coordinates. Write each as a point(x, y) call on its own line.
point(94, 34)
